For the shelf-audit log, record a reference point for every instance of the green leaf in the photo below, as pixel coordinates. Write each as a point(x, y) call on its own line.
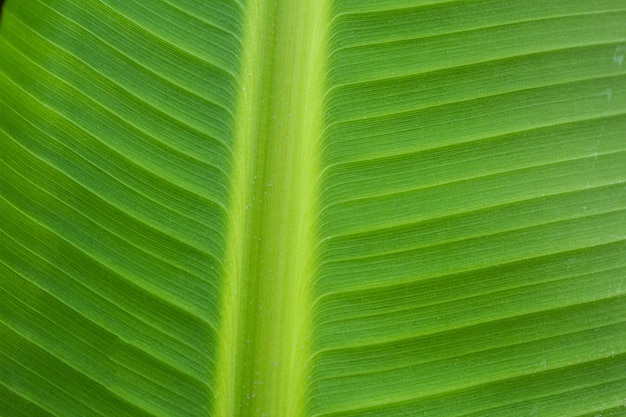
point(313, 208)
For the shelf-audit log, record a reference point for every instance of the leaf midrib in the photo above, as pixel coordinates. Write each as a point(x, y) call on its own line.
point(263, 352)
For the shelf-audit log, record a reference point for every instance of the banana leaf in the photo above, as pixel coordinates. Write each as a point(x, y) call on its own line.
point(313, 208)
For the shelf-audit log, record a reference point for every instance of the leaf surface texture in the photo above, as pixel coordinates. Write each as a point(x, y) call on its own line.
point(315, 208)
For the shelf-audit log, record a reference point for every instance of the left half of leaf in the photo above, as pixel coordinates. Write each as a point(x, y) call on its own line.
point(116, 134)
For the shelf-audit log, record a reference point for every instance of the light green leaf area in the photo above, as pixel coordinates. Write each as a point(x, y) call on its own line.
point(313, 208)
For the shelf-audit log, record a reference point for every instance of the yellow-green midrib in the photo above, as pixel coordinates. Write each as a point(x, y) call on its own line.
point(263, 357)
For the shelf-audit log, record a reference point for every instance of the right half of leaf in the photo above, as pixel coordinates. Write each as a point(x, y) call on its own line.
point(473, 256)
